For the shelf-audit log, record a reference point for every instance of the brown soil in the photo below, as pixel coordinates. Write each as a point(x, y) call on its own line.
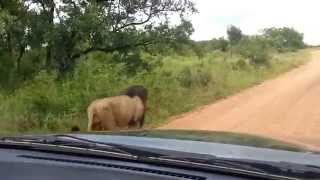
point(285, 108)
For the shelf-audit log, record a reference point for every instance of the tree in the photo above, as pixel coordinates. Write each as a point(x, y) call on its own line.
point(122, 26)
point(14, 32)
point(255, 49)
point(284, 39)
point(234, 34)
point(46, 16)
point(66, 30)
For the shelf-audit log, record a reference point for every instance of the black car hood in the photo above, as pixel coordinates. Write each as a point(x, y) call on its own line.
point(214, 148)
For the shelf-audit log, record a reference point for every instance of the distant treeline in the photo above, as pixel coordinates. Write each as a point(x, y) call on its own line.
point(255, 47)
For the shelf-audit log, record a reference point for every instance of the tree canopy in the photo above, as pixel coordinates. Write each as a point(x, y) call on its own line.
point(64, 30)
point(284, 38)
point(234, 34)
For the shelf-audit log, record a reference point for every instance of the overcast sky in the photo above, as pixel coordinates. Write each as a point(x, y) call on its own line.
point(253, 15)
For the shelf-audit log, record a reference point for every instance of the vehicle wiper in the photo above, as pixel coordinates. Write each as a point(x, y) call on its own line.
point(64, 140)
point(71, 143)
point(218, 162)
point(76, 143)
point(134, 151)
point(278, 170)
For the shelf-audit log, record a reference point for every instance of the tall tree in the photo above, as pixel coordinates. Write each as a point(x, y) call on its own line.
point(234, 34)
point(46, 15)
point(79, 27)
point(13, 32)
point(66, 30)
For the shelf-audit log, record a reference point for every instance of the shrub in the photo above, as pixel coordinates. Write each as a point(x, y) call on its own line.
point(6, 70)
point(255, 49)
point(199, 76)
point(203, 77)
point(136, 61)
point(185, 77)
point(239, 65)
point(30, 64)
point(221, 44)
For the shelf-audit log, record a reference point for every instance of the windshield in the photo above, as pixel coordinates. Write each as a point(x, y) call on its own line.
point(232, 72)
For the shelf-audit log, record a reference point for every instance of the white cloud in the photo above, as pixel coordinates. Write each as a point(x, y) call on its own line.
point(253, 15)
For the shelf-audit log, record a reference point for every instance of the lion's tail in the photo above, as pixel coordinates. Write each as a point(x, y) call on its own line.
point(90, 119)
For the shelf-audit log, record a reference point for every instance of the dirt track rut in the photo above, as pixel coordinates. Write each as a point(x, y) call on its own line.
point(286, 108)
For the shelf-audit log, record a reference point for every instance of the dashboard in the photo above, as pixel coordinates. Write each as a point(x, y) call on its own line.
point(33, 165)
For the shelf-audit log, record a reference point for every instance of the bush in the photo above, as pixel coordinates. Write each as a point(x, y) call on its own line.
point(135, 62)
point(30, 64)
point(255, 49)
point(284, 39)
point(239, 65)
point(10, 76)
point(6, 70)
point(199, 77)
point(203, 77)
point(221, 44)
point(185, 77)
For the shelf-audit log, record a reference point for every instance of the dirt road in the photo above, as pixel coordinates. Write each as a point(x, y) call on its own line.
point(286, 108)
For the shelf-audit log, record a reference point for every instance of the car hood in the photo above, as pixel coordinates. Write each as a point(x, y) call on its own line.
point(219, 144)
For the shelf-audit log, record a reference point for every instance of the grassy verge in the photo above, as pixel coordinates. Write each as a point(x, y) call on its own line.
point(179, 85)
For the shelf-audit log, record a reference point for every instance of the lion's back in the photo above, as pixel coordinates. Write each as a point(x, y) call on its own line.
point(121, 107)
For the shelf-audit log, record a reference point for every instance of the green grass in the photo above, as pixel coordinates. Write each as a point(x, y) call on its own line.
point(179, 85)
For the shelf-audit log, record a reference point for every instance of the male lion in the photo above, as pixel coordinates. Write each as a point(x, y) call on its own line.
point(118, 112)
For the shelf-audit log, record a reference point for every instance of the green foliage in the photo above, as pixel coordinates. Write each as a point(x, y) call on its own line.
point(203, 77)
point(67, 31)
point(185, 77)
point(56, 58)
point(6, 68)
point(234, 34)
point(199, 51)
point(136, 61)
point(220, 44)
point(239, 65)
point(30, 64)
point(10, 76)
point(180, 84)
point(255, 49)
point(194, 76)
point(284, 39)
point(200, 48)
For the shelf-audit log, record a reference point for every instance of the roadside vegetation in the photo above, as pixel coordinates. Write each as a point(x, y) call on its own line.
point(50, 71)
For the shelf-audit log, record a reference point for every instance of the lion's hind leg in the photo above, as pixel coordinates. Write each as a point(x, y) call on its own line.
point(107, 119)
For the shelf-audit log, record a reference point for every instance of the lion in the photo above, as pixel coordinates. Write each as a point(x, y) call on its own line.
point(118, 112)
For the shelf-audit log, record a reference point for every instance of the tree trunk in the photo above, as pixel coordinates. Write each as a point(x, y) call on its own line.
point(18, 63)
point(10, 46)
point(50, 18)
point(48, 57)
